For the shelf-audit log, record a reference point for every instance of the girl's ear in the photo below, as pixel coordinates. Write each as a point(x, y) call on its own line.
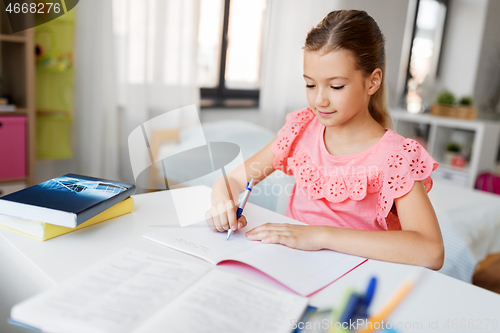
point(375, 81)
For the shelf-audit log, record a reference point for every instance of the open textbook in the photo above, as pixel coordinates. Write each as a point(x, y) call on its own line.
point(305, 272)
point(132, 291)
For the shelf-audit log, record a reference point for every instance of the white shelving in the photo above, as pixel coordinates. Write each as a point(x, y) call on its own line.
point(482, 136)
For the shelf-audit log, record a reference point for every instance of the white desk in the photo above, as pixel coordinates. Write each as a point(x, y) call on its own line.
point(28, 266)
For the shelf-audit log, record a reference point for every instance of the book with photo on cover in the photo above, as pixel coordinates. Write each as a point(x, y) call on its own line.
point(44, 231)
point(67, 201)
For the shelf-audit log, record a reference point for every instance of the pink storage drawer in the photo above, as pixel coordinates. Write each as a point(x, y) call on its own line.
point(12, 147)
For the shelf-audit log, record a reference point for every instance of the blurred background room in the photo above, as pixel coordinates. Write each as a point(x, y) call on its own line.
point(74, 88)
point(106, 67)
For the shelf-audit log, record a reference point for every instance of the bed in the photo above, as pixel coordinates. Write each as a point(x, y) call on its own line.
point(470, 223)
point(469, 219)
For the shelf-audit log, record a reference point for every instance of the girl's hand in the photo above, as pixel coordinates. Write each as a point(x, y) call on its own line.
point(301, 237)
point(222, 215)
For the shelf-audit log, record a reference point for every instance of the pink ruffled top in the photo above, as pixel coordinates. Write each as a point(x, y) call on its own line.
point(353, 191)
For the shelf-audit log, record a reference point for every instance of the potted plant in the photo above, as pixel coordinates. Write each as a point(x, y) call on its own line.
point(452, 149)
point(465, 101)
point(446, 98)
point(445, 106)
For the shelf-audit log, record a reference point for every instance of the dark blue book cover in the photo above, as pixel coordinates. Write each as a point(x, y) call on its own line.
point(68, 200)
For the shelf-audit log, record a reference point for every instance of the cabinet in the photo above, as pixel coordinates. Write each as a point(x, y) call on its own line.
point(480, 139)
point(12, 146)
point(17, 73)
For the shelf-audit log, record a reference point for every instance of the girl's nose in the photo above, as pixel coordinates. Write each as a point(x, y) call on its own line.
point(322, 99)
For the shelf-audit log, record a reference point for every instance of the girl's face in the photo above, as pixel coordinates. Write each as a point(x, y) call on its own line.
point(337, 91)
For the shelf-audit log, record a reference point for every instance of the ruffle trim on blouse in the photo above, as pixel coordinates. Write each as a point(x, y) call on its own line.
point(293, 160)
point(408, 164)
point(402, 169)
point(285, 145)
point(335, 188)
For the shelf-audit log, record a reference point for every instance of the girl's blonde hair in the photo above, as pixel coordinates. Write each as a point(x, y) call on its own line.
point(356, 31)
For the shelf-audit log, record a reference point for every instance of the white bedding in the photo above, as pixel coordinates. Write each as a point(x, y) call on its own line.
point(473, 216)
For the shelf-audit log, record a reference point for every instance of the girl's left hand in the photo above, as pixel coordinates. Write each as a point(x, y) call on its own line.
point(301, 237)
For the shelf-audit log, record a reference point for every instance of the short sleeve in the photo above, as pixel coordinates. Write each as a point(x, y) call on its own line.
point(286, 142)
point(401, 170)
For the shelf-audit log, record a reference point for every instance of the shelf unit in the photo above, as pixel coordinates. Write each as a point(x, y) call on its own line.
point(482, 137)
point(55, 87)
point(17, 66)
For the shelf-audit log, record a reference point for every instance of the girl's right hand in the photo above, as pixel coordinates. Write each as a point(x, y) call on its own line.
point(222, 215)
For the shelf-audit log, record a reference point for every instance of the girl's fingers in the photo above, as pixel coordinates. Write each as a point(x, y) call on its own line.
point(210, 221)
point(216, 219)
point(260, 234)
point(270, 233)
point(224, 223)
point(269, 226)
point(242, 222)
point(231, 214)
point(268, 237)
point(274, 239)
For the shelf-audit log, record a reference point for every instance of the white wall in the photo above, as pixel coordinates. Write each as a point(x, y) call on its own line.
point(487, 83)
point(462, 46)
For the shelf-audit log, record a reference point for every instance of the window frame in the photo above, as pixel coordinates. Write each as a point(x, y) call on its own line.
point(220, 96)
point(413, 33)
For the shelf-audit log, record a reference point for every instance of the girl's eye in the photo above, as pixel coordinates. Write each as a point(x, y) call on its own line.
point(337, 87)
point(310, 86)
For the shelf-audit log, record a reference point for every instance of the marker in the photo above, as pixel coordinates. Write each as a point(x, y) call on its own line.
point(350, 309)
point(367, 299)
point(248, 190)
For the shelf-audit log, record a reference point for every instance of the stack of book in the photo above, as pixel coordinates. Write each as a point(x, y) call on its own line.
point(64, 204)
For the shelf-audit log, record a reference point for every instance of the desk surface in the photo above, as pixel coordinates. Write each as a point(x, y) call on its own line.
point(437, 300)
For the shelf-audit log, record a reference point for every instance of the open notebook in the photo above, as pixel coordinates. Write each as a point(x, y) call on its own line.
point(132, 291)
point(305, 272)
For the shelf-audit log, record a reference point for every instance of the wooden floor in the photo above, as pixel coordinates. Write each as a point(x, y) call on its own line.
point(487, 274)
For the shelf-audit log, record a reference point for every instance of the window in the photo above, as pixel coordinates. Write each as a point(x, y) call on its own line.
point(229, 52)
point(425, 49)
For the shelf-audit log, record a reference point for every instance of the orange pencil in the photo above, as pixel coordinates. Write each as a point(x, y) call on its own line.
point(403, 290)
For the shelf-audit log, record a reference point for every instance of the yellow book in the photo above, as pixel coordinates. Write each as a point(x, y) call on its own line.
point(43, 231)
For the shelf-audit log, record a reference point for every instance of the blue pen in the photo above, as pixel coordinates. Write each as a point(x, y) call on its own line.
point(350, 309)
point(248, 190)
point(367, 299)
point(357, 305)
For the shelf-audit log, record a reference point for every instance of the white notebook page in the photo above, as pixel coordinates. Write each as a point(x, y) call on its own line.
point(199, 240)
point(224, 302)
point(115, 295)
point(305, 272)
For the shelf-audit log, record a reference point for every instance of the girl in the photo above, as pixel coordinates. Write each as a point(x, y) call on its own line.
point(354, 176)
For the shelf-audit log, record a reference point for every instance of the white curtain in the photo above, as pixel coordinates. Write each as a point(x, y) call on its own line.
point(282, 87)
point(96, 124)
point(134, 60)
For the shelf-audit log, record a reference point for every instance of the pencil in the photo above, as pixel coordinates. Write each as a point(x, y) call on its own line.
point(405, 288)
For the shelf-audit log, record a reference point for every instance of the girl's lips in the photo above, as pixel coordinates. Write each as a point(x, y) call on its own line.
point(326, 114)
